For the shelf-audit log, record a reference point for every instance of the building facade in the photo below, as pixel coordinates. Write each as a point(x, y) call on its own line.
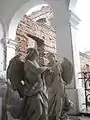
point(85, 62)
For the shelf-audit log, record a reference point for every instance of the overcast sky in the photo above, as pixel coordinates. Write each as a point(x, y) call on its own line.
point(83, 11)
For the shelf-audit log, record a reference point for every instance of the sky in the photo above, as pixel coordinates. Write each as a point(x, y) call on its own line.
point(83, 35)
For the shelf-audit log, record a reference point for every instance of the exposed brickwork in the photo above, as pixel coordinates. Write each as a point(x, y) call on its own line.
point(45, 42)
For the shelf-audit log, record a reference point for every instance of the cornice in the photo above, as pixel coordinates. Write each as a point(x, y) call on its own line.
point(74, 20)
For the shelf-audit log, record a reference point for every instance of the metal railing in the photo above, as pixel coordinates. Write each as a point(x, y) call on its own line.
point(85, 77)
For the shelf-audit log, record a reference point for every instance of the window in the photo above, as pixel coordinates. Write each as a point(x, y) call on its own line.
point(42, 20)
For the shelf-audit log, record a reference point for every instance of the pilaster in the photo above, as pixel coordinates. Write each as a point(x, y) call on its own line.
point(10, 44)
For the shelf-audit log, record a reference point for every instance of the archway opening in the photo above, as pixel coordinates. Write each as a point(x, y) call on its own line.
point(35, 30)
point(14, 23)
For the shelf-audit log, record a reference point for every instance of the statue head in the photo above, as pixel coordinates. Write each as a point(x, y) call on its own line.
point(50, 56)
point(32, 53)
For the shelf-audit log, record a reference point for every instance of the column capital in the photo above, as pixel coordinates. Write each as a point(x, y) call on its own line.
point(11, 43)
point(74, 20)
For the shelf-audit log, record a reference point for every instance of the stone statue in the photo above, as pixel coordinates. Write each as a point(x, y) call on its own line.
point(36, 96)
point(15, 73)
point(55, 88)
point(67, 71)
point(61, 74)
point(42, 96)
point(15, 90)
point(32, 100)
point(67, 75)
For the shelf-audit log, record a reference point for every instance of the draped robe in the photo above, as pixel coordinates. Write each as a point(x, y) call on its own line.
point(55, 92)
point(38, 97)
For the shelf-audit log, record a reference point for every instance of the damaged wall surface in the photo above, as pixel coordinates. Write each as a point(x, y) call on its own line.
point(40, 36)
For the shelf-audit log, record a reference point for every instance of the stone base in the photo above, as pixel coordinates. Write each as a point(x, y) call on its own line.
point(73, 96)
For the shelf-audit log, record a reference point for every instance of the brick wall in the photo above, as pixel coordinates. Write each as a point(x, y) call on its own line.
point(45, 40)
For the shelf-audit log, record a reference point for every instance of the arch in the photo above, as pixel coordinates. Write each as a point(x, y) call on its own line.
point(20, 13)
point(3, 27)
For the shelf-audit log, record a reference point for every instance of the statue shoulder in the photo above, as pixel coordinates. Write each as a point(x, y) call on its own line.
point(58, 64)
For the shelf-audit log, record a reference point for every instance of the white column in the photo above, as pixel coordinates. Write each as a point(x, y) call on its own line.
point(10, 49)
point(74, 21)
point(65, 43)
point(61, 24)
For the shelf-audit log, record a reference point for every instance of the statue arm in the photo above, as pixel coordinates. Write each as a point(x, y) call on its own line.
point(33, 68)
point(35, 89)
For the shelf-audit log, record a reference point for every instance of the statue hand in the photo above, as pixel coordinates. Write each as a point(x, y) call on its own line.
point(48, 69)
point(31, 92)
point(44, 68)
point(71, 104)
point(26, 92)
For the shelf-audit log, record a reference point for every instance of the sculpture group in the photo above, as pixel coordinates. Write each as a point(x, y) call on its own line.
point(41, 90)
